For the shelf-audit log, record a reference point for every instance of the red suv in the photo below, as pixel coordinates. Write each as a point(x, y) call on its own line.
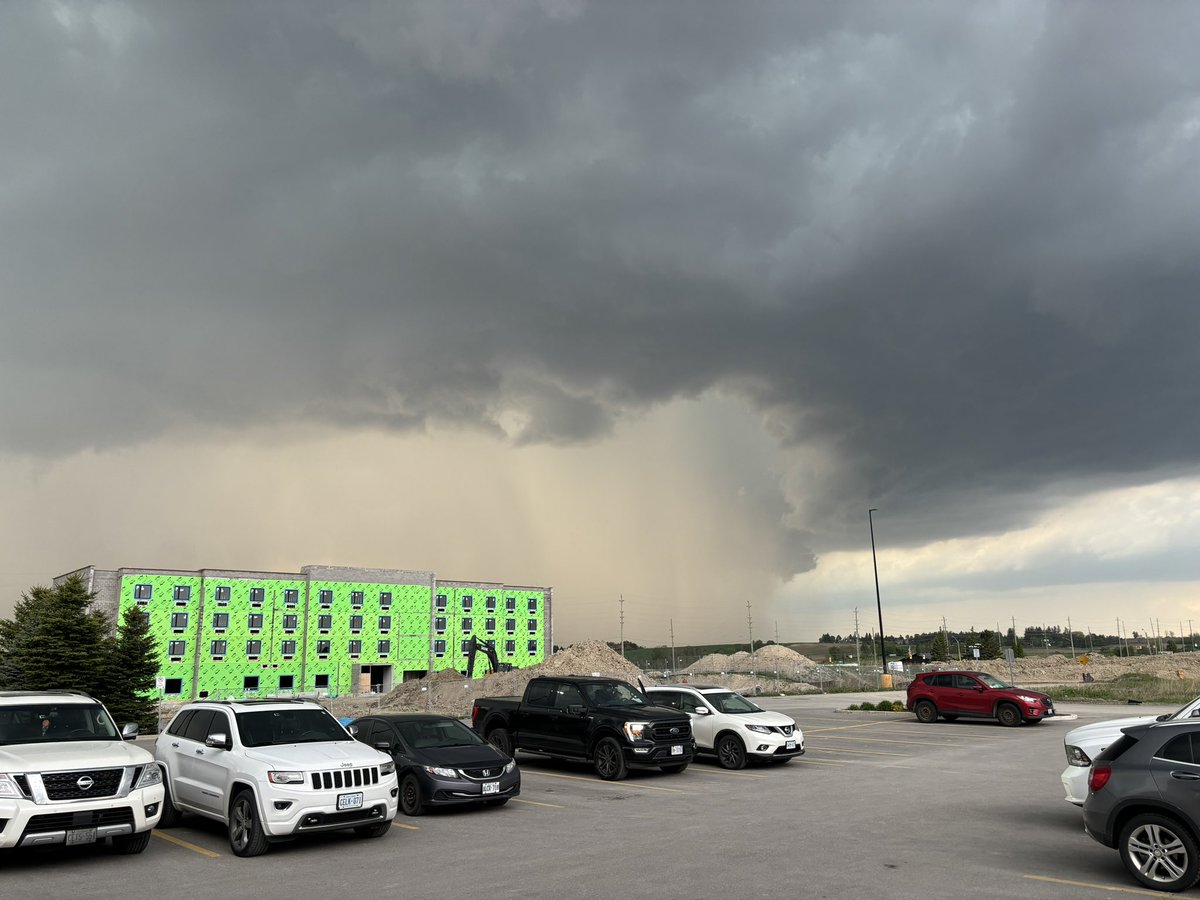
point(975, 695)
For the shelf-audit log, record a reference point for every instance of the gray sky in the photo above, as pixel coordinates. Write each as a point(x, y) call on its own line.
point(649, 300)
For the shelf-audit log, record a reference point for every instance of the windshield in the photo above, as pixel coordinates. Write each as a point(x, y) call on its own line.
point(423, 734)
point(48, 723)
point(730, 702)
point(289, 726)
point(990, 680)
point(613, 693)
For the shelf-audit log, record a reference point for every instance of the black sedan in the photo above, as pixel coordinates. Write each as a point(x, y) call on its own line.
point(440, 761)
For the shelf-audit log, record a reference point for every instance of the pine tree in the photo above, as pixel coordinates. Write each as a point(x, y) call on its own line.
point(941, 647)
point(1018, 648)
point(989, 644)
point(54, 641)
point(128, 684)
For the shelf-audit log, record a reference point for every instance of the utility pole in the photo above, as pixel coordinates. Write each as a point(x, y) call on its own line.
point(750, 631)
point(857, 645)
point(1072, 634)
point(622, 602)
point(672, 646)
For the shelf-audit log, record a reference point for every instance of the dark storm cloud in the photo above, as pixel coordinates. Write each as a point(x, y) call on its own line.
point(951, 246)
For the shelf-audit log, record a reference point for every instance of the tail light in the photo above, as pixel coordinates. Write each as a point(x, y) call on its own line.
point(1098, 777)
point(474, 714)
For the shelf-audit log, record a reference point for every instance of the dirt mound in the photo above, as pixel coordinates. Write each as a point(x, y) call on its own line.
point(774, 658)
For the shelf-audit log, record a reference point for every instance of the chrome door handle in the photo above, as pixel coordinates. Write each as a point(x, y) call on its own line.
point(1185, 776)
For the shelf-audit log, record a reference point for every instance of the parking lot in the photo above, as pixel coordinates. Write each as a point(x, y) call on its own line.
point(880, 806)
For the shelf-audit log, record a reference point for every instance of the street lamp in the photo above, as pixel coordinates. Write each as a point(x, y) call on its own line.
point(878, 604)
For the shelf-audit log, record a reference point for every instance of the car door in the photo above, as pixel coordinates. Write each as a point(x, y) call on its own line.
point(538, 715)
point(569, 727)
point(185, 748)
point(1175, 768)
point(704, 724)
point(210, 765)
point(971, 695)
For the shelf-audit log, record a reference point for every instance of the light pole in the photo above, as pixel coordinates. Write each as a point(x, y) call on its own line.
point(878, 603)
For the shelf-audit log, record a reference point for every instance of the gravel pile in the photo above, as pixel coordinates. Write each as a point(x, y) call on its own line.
point(771, 658)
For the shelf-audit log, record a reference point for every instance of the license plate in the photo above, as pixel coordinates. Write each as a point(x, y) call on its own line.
point(491, 787)
point(790, 745)
point(1049, 712)
point(350, 801)
point(81, 836)
point(677, 749)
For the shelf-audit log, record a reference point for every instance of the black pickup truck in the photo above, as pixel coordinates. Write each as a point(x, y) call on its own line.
point(605, 721)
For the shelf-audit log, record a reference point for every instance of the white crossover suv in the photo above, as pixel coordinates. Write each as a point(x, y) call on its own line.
point(728, 725)
point(1085, 743)
point(273, 769)
point(67, 776)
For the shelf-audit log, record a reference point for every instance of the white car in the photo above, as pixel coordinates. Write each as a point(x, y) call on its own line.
point(1085, 743)
point(67, 776)
point(273, 769)
point(728, 725)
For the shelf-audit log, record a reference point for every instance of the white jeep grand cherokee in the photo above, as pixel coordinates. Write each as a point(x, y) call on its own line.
point(68, 777)
point(273, 769)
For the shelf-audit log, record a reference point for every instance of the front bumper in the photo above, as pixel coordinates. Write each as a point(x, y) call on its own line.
point(24, 823)
point(1075, 783)
point(772, 746)
point(292, 809)
point(454, 791)
point(646, 753)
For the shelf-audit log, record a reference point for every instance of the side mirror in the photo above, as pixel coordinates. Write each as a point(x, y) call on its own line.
point(702, 710)
point(353, 729)
point(1196, 713)
point(129, 731)
point(218, 742)
point(982, 688)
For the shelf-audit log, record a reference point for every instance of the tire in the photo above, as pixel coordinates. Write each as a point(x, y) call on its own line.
point(246, 835)
point(675, 769)
point(925, 711)
point(170, 812)
point(378, 830)
point(129, 844)
point(500, 739)
point(411, 803)
point(1159, 852)
point(608, 759)
point(1008, 715)
point(950, 718)
point(731, 752)
point(499, 801)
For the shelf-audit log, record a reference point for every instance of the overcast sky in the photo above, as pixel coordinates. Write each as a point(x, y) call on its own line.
point(649, 300)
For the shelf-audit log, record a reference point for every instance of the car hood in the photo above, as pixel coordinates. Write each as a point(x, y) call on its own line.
point(766, 717)
point(1098, 735)
point(331, 755)
point(474, 756)
point(649, 713)
point(41, 757)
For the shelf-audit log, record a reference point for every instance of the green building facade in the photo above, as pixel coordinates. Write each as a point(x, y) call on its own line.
point(326, 630)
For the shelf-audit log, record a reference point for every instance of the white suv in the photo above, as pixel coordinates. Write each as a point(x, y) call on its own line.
point(728, 725)
point(273, 769)
point(67, 776)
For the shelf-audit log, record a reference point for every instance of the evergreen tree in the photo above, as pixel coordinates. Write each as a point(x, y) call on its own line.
point(941, 647)
point(1018, 648)
point(128, 685)
point(989, 644)
point(54, 641)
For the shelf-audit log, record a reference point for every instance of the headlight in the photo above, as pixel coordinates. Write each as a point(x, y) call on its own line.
point(285, 777)
point(1028, 699)
point(8, 787)
point(637, 731)
point(388, 767)
point(150, 775)
point(441, 771)
point(1076, 757)
point(512, 764)
point(761, 729)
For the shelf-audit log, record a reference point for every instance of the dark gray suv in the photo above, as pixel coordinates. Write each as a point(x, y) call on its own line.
point(1143, 796)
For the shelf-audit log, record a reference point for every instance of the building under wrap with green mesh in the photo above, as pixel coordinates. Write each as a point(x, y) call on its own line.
point(323, 630)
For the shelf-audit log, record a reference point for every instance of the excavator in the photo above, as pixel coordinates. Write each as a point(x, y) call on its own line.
point(488, 649)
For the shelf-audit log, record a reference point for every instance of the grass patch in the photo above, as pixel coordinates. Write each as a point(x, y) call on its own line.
point(1132, 686)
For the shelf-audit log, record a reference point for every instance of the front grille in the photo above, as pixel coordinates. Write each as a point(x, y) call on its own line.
point(65, 785)
point(672, 731)
point(786, 729)
point(96, 818)
point(345, 778)
point(480, 774)
point(338, 819)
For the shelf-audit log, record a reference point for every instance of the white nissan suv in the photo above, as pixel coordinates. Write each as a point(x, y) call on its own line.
point(726, 724)
point(273, 769)
point(67, 776)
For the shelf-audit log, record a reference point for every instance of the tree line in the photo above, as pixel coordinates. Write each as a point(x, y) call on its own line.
point(57, 641)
